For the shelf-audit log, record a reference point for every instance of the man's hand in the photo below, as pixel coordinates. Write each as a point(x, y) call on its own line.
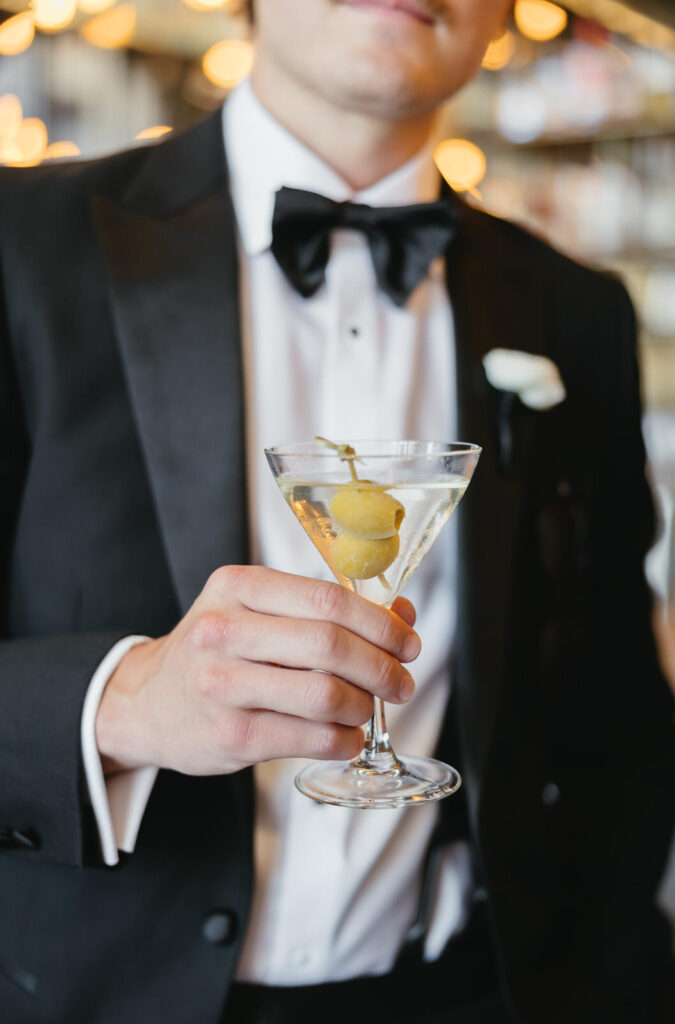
point(231, 685)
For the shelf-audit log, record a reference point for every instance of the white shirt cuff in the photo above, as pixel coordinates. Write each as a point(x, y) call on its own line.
point(118, 802)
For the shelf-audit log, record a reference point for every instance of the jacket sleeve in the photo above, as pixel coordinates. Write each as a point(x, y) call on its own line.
point(43, 681)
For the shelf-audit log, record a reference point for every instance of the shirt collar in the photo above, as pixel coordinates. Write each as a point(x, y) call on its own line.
point(262, 156)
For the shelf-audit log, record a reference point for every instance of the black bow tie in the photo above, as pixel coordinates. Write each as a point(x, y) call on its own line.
point(403, 240)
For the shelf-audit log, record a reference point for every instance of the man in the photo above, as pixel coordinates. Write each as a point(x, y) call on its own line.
point(151, 346)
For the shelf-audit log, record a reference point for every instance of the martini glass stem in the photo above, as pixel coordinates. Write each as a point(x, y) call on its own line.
point(377, 754)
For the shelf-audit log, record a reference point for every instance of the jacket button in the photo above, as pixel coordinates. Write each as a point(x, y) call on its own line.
point(550, 794)
point(220, 927)
point(19, 839)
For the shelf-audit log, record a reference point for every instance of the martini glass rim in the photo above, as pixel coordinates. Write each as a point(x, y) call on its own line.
point(311, 450)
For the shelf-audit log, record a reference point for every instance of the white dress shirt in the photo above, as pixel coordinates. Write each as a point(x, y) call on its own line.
point(336, 889)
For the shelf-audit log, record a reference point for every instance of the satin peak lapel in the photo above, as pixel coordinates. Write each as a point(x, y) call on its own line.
point(493, 306)
point(170, 249)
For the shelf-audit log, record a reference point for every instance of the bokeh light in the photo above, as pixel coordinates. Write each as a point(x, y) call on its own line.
point(94, 6)
point(539, 19)
point(112, 29)
point(154, 132)
point(227, 62)
point(499, 52)
point(17, 33)
point(11, 115)
point(461, 163)
point(521, 113)
point(27, 146)
point(53, 15)
point(206, 5)
point(61, 150)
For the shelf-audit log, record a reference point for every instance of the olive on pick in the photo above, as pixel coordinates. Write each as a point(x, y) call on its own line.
point(369, 520)
point(361, 558)
point(367, 512)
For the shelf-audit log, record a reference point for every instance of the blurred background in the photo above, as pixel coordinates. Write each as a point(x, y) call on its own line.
point(569, 129)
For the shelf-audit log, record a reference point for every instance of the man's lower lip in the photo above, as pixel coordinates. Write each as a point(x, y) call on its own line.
point(400, 12)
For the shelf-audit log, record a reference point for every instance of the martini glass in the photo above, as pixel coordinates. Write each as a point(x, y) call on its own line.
point(373, 509)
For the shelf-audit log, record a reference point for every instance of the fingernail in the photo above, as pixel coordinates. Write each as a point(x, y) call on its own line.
point(412, 647)
point(407, 688)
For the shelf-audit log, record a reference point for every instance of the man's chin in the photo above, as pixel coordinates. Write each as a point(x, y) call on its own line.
point(385, 99)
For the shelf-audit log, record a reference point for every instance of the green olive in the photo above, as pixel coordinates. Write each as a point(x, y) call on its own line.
point(360, 558)
point(367, 512)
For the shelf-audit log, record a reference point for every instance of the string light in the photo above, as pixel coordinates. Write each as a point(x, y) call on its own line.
point(17, 33)
point(539, 19)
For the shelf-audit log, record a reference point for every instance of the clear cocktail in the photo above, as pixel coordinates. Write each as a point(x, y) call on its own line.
point(373, 509)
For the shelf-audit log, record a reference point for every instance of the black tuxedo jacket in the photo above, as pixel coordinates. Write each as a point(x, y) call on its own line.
point(122, 485)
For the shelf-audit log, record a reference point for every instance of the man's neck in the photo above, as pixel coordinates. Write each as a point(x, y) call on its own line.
point(361, 149)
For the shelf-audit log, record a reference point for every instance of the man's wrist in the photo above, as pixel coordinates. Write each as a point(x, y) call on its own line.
point(118, 727)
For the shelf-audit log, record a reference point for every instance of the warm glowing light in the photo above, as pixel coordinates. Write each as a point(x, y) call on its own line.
point(60, 150)
point(53, 15)
point(32, 139)
point(94, 6)
point(539, 19)
point(228, 61)
point(28, 145)
point(11, 116)
point(16, 34)
point(461, 163)
point(9, 152)
point(154, 132)
point(112, 29)
point(206, 5)
point(499, 52)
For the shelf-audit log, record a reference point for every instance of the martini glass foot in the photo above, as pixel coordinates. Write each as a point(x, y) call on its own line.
point(412, 780)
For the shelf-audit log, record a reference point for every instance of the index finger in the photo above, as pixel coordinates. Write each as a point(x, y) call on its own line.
point(271, 592)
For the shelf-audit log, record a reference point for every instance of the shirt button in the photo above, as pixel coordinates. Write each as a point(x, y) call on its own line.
point(220, 927)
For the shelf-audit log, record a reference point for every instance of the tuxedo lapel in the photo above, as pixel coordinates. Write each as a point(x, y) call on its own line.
point(170, 250)
point(493, 307)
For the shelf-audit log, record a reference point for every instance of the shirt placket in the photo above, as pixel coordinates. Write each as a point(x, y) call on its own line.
point(351, 387)
point(307, 913)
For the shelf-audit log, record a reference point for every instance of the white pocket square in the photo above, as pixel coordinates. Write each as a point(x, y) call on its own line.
point(535, 379)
